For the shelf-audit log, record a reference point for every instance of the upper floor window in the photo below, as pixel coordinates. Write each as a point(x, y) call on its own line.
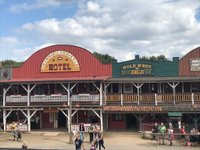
point(39, 89)
point(58, 88)
point(15, 89)
point(128, 88)
point(93, 89)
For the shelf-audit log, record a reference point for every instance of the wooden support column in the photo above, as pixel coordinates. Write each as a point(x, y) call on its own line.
point(195, 119)
point(100, 117)
point(69, 121)
point(29, 116)
point(4, 94)
point(5, 116)
point(173, 85)
point(105, 91)
point(156, 100)
point(101, 93)
point(140, 118)
point(28, 90)
point(100, 89)
point(69, 91)
point(138, 86)
point(192, 98)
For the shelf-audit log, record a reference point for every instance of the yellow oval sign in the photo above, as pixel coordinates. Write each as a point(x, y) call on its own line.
point(60, 61)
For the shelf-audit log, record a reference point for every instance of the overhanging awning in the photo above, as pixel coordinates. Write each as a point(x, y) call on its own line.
point(174, 114)
point(56, 79)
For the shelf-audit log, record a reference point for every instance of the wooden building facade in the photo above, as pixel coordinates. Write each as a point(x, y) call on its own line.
point(63, 85)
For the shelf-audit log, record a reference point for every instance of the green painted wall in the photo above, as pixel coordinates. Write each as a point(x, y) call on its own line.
point(144, 68)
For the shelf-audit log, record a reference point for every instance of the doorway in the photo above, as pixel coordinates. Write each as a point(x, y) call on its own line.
point(61, 120)
point(131, 122)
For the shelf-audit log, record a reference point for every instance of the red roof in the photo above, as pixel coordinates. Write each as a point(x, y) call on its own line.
point(90, 67)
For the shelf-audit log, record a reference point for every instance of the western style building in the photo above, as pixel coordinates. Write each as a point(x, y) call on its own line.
point(61, 86)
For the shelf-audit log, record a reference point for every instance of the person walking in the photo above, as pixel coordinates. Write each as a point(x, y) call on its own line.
point(82, 130)
point(91, 133)
point(13, 127)
point(162, 131)
point(78, 142)
point(155, 131)
point(183, 135)
point(170, 133)
point(101, 140)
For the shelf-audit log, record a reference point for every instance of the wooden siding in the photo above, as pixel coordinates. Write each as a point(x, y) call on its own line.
point(89, 65)
point(184, 64)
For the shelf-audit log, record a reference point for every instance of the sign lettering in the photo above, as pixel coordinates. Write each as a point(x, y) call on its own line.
point(195, 64)
point(60, 61)
point(136, 69)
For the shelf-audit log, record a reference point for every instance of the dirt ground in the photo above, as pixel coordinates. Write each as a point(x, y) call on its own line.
point(59, 141)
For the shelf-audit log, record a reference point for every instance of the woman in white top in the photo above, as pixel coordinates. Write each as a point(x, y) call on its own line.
point(170, 133)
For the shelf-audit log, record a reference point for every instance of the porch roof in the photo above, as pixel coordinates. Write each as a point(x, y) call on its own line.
point(153, 79)
point(132, 108)
point(55, 80)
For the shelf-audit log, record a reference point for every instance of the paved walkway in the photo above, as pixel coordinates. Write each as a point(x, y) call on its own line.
point(59, 141)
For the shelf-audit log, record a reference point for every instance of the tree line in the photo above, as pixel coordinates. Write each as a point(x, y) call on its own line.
point(103, 58)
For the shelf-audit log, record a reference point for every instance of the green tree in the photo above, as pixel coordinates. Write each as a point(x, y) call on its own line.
point(155, 58)
point(10, 63)
point(105, 58)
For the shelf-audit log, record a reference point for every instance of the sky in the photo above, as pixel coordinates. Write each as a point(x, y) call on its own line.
point(120, 28)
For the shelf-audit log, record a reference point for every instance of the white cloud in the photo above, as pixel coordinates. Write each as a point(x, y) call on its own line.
point(7, 46)
point(123, 28)
point(37, 4)
point(92, 6)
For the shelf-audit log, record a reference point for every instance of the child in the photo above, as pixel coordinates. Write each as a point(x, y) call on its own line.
point(93, 146)
point(24, 146)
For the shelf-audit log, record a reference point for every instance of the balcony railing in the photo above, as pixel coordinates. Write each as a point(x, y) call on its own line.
point(52, 98)
point(152, 99)
point(112, 99)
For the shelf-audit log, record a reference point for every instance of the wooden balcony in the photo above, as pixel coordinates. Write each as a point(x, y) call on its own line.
point(109, 99)
point(52, 99)
point(152, 99)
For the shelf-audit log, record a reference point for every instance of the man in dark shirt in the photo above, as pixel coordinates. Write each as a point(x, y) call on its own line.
point(82, 130)
point(155, 130)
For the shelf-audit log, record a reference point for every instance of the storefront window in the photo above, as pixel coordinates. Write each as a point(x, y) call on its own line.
point(117, 117)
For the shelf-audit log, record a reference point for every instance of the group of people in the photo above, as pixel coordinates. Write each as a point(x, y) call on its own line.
point(160, 131)
point(17, 134)
point(194, 136)
point(15, 131)
point(95, 135)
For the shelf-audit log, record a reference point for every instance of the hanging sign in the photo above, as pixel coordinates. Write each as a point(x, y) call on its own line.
point(60, 61)
point(195, 64)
